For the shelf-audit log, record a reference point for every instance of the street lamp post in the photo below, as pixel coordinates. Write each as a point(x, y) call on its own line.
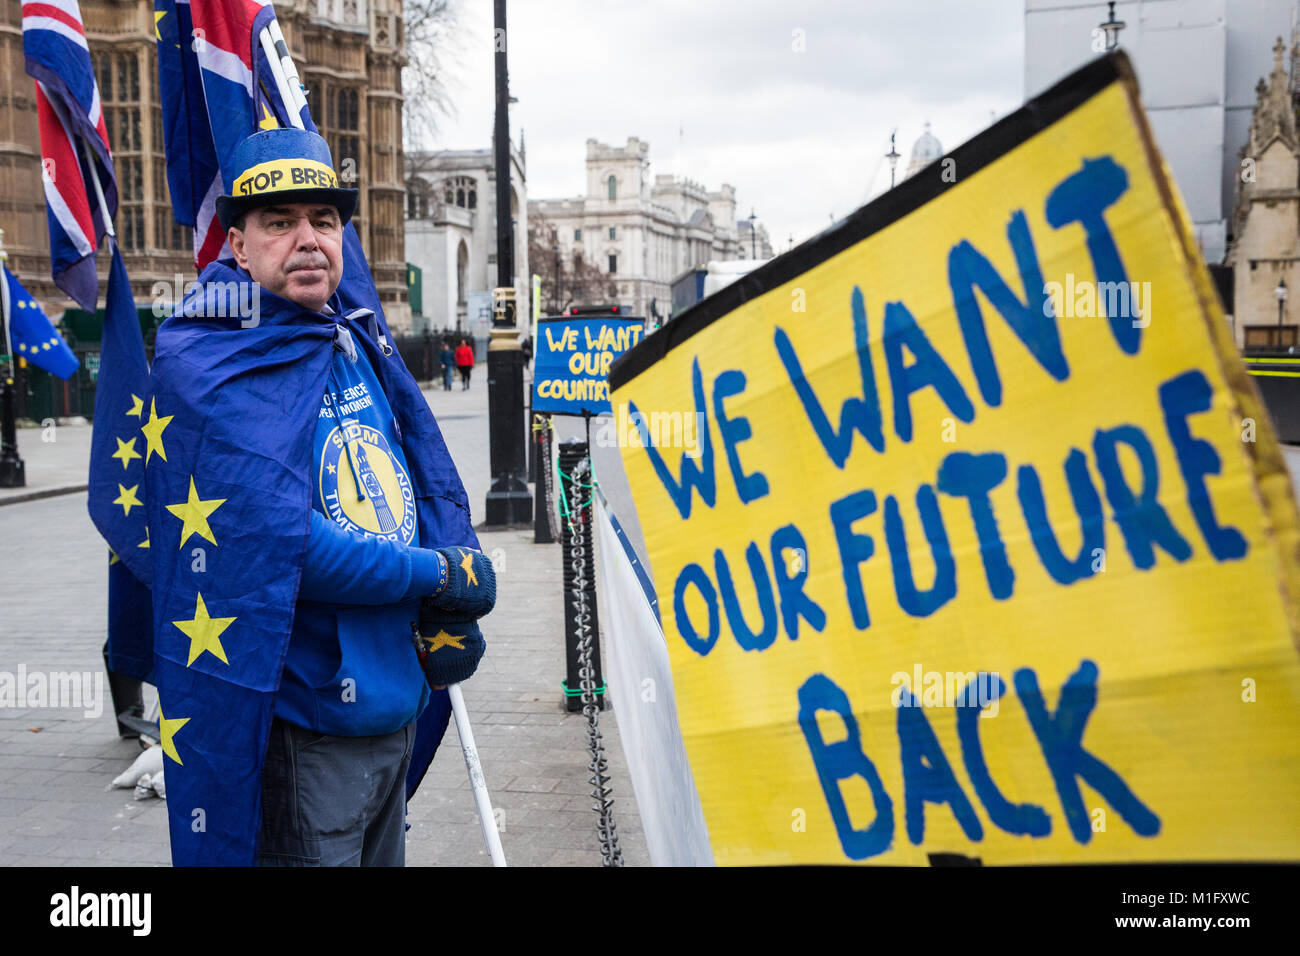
point(13, 472)
point(556, 302)
point(1111, 27)
point(1280, 292)
point(508, 500)
point(892, 156)
point(753, 234)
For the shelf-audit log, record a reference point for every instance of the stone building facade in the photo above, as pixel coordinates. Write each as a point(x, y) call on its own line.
point(349, 54)
point(451, 235)
point(644, 232)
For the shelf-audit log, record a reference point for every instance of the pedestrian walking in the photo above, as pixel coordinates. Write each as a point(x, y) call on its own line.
point(464, 362)
point(446, 359)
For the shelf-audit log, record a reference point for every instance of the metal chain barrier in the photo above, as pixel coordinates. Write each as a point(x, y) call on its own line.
point(601, 791)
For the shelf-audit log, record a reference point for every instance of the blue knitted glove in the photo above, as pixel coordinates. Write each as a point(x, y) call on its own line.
point(449, 645)
point(471, 583)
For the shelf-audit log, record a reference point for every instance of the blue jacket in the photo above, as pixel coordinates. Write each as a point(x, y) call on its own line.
point(351, 669)
point(229, 430)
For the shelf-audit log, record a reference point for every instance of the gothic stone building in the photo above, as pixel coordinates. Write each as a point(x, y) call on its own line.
point(349, 54)
point(1265, 249)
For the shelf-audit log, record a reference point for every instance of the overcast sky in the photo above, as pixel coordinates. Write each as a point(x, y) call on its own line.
point(801, 135)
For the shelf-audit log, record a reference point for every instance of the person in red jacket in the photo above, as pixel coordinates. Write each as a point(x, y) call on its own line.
point(464, 362)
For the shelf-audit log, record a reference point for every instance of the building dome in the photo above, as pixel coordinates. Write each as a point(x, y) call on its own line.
point(925, 150)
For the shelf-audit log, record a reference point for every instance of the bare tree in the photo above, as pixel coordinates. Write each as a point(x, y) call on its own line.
point(579, 281)
point(431, 27)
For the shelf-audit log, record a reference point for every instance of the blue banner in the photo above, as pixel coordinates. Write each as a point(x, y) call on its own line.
point(572, 359)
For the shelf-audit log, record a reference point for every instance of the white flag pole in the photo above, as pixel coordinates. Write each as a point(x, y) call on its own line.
point(290, 95)
point(99, 190)
point(481, 800)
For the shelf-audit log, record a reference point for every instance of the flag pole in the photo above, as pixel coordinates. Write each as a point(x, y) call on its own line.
point(280, 74)
point(13, 471)
point(481, 800)
point(4, 312)
point(99, 190)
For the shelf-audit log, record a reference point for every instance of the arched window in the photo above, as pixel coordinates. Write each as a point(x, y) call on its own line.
point(419, 197)
point(612, 185)
point(462, 269)
point(461, 191)
point(347, 115)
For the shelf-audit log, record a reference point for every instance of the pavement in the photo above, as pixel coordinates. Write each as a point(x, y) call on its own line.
point(60, 452)
point(56, 807)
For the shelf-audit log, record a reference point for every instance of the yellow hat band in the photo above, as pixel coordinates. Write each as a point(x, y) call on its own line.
point(280, 175)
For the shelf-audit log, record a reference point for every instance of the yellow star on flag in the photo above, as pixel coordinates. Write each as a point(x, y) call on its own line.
point(145, 542)
point(166, 731)
point(204, 633)
point(153, 430)
point(268, 120)
point(467, 566)
point(194, 515)
point(137, 406)
point(157, 18)
point(443, 639)
point(112, 557)
point(125, 451)
point(127, 499)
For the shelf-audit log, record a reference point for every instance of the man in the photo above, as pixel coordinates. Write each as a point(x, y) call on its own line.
point(448, 361)
point(298, 424)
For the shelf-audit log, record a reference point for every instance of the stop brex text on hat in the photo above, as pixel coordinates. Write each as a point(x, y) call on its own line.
point(282, 166)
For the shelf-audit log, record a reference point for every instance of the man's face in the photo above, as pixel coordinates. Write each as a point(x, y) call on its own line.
point(294, 250)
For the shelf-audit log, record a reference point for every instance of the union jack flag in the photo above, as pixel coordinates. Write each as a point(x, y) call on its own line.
point(71, 122)
point(205, 70)
point(219, 86)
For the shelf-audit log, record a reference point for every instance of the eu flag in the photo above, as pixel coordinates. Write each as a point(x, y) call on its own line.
point(33, 335)
point(125, 438)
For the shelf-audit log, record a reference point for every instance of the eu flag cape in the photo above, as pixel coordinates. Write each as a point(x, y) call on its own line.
point(236, 392)
point(119, 451)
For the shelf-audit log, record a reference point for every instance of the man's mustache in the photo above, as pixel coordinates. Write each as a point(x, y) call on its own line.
point(311, 262)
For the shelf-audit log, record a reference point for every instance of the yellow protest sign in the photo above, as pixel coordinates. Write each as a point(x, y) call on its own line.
point(986, 546)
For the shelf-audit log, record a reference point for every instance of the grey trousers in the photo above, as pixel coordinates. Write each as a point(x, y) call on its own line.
point(334, 801)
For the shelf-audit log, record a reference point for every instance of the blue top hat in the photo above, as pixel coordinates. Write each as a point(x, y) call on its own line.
point(280, 166)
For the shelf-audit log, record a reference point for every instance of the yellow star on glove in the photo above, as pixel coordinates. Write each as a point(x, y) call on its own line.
point(443, 639)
